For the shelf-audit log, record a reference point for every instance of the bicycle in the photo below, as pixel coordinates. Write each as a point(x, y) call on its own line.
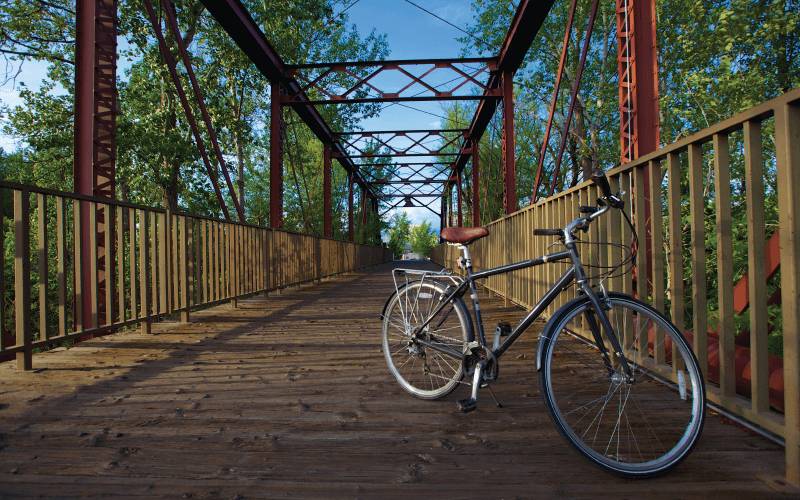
point(619, 381)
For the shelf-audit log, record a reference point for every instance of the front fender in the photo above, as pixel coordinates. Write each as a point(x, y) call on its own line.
point(547, 333)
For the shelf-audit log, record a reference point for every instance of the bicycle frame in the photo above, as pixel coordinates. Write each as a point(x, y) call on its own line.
point(573, 273)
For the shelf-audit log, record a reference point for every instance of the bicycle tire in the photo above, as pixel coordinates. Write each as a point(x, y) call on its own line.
point(420, 370)
point(637, 430)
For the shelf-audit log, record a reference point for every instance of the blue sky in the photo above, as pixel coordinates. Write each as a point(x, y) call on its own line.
point(411, 34)
point(414, 34)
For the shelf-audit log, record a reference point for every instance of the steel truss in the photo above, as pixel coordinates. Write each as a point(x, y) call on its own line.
point(341, 82)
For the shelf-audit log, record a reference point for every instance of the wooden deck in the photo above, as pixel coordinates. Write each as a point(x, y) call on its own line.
point(290, 397)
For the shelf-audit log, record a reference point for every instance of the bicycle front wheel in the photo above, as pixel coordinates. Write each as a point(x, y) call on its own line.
point(634, 429)
point(426, 371)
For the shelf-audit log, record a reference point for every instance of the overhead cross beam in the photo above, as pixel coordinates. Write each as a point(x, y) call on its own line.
point(415, 136)
point(365, 89)
point(524, 27)
point(240, 26)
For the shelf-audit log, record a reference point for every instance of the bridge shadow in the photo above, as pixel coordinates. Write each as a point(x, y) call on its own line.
point(290, 396)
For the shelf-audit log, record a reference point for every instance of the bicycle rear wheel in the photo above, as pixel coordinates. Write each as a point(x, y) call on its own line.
point(639, 429)
point(422, 370)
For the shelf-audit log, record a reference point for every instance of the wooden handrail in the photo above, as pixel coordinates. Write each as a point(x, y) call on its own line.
point(676, 243)
point(161, 263)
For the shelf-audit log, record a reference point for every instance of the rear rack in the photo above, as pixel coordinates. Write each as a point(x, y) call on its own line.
point(401, 279)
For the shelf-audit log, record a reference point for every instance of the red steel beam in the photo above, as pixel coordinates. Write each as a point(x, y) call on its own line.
point(338, 135)
point(326, 191)
point(185, 102)
point(476, 196)
point(527, 21)
point(95, 138)
point(508, 144)
point(368, 82)
point(492, 95)
point(458, 192)
point(277, 129)
point(349, 208)
point(237, 22)
point(576, 84)
point(564, 48)
point(400, 62)
point(187, 63)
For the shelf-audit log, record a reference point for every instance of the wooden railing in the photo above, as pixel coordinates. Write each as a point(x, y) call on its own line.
point(694, 248)
point(161, 263)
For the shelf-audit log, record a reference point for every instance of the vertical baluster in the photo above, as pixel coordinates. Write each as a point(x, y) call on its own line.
point(787, 147)
point(675, 248)
point(726, 329)
point(120, 263)
point(41, 208)
point(657, 240)
point(205, 275)
point(93, 267)
point(641, 232)
point(697, 216)
point(154, 266)
point(134, 298)
point(165, 273)
point(173, 257)
point(183, 250)
point(144, 268)
point(107, 211)
point(22, 278)
point(61, 246)
point(756, 267)
point(77, 219)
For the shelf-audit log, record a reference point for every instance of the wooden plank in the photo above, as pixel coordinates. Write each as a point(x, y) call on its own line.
point(657, 241)
point(134, 298)
point(698, 245)
point(41, 209)
point(154, 263)
point(183, 249)
point(726, 329)
point(627, 279)
point(197, 288)
point(93, 265)
point(144, 264)
point(120, 252)
point(180, 407)
point(787, 146)
point(164, 271)
point(675, 257)
point(204, 272)
point(615, 237)
point(108, 255)
point(2, 274)
point(215, 261)
point(61, 257)
point(22, 277)
point(641, 232)
point(756, 267)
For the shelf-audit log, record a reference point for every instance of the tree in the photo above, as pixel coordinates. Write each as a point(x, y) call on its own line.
point(399, 231)
point(423, 239)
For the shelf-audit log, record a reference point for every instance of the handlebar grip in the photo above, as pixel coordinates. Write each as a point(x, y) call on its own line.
point(600, 179)
point(547, 232)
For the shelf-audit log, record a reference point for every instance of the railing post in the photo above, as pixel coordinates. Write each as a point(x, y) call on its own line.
point(22, 277)
point(787, 146)
point(144, 268)
point(184, 275)
point(43, 266)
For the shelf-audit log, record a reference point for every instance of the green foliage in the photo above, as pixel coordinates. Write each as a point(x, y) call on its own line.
point(423, 239)
point(399, 232)
point(158, 161)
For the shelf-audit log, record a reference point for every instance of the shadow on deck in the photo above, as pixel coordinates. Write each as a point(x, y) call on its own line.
point(290, 397)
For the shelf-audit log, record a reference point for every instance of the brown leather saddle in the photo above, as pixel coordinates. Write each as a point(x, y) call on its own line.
point(464, 235)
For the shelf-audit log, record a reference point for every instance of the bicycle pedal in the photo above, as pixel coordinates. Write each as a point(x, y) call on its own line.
point(466, 405)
